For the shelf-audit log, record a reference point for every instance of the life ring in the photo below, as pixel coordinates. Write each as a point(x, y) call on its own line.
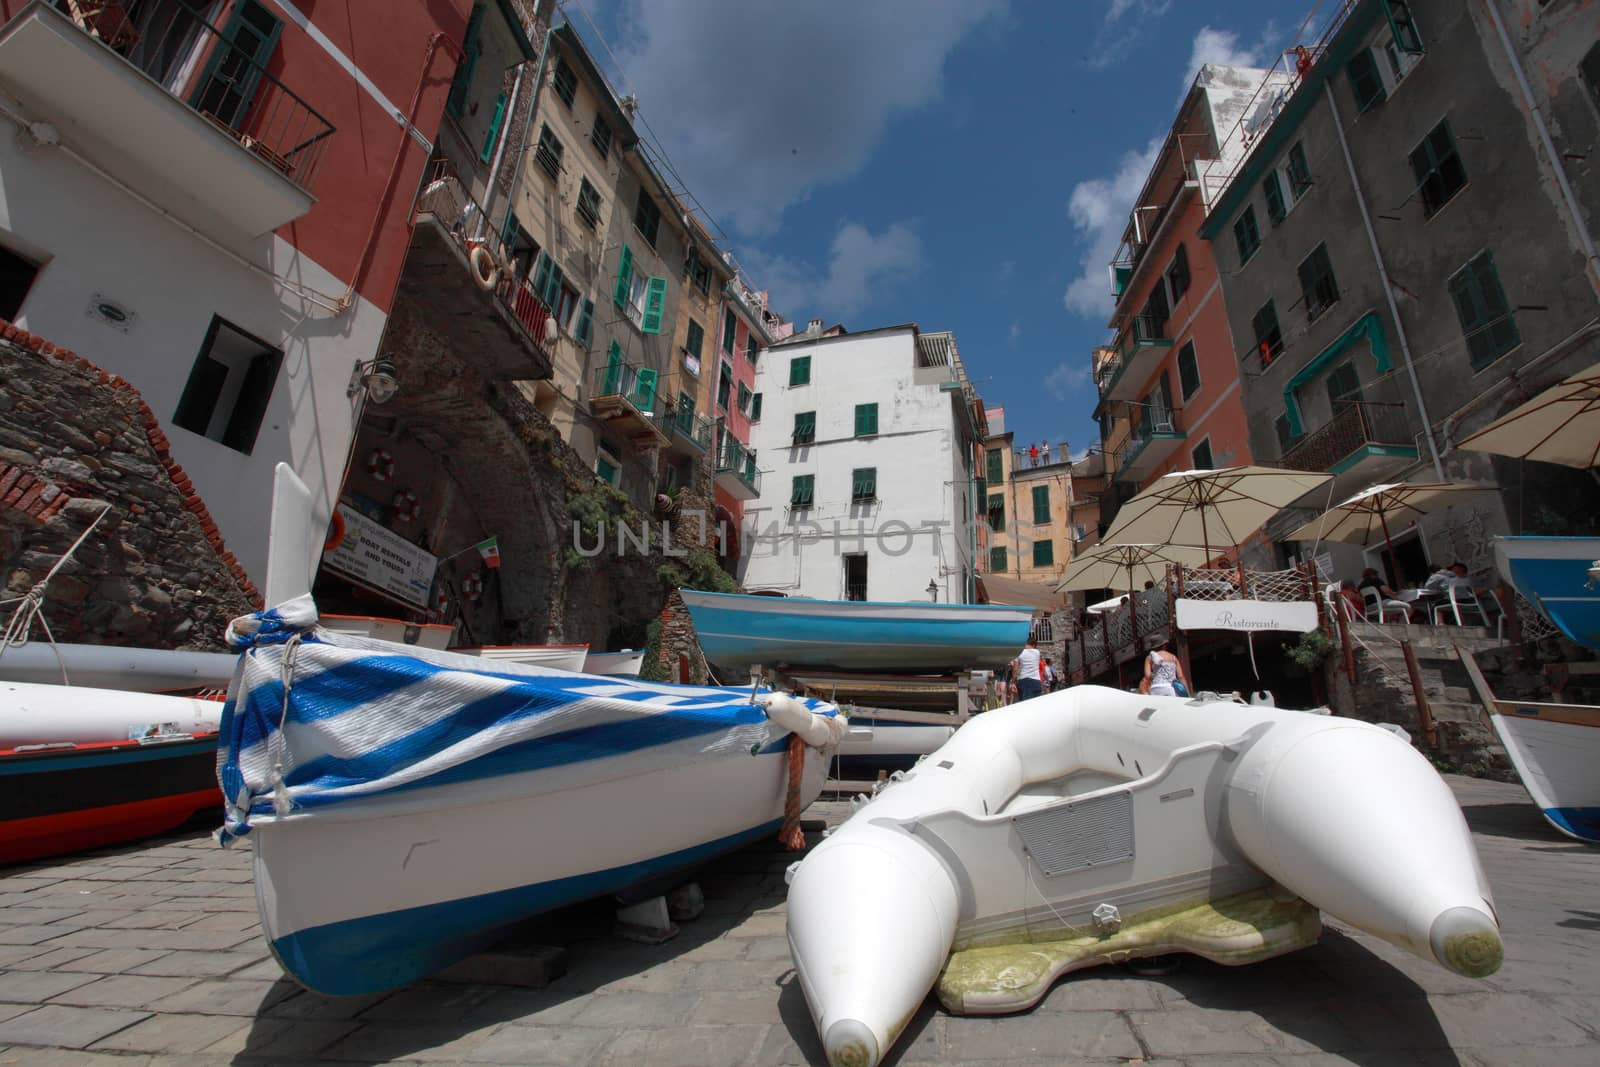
point(380, 464)
point(335, 536)
point(472, 586)
point(485, 271)
point(406, 506)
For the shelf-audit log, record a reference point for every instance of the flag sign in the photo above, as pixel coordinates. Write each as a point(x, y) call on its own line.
point(490, 550)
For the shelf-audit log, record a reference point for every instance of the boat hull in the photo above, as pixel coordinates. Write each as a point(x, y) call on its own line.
point(623, 664)
point(1553, 574)
point(556, 657)
point(1555, 749)
point(60, 800)
point(52, 714)
point(372, 895)
point(873, 744)
point(145, 670)
point(737, 632)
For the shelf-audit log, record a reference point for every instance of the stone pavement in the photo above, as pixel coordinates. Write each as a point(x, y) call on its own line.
point(150, 955)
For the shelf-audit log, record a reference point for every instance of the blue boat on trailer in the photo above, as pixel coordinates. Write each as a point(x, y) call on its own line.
point(1557, 576)
point(737, 632)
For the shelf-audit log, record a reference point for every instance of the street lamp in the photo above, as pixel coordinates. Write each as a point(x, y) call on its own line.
point(933, 590)
point(377, 377)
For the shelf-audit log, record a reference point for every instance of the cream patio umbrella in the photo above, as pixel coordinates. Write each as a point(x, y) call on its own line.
point(1108, 566)
point(1364, 519)
point(1206, 508)
point(1560, 425)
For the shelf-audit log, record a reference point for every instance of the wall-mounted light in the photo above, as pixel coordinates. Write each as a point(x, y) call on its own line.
point(933, 590)
point(377, 377)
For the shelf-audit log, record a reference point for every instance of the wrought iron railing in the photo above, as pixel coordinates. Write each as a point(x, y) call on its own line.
point(1356, 424)
point(636, 385)
point(696, 429)
point(732, 457)
point(220, 76)
point(855, 590)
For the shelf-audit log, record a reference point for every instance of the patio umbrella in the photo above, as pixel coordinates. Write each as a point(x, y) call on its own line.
point(1205, 508)
point(1109, 566)
point(1366, 517)
point(1560, 425)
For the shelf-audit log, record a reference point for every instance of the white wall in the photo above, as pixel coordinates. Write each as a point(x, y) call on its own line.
point(94, 239)
point(913, 532)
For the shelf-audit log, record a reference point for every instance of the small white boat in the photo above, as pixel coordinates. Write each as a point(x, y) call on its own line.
point(145, 670)
point(1094, 825)
point(33, 714)
point(395, 631)
point(624, 664)
point(1556, 750)
point(878, 740)
point(556, 657)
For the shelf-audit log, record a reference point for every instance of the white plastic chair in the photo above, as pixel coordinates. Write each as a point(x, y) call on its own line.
point(1378, 608)
point(1338, 603)
point(1462, 599)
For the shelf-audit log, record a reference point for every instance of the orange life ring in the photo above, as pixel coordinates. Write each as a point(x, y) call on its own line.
point(485, 271)
point(335, 536)
point(406, 506)
point(380, 464)
point(472, 586)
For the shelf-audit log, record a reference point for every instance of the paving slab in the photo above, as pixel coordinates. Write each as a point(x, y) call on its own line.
point(66, 1027)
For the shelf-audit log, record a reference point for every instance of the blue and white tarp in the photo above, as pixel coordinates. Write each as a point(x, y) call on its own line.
point(315, 719)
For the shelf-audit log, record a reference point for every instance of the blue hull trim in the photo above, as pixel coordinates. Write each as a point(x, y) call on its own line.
point(1579, 822)
point(381, 952)
point(1559, 587)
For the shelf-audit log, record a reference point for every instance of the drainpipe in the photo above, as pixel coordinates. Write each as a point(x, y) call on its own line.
point(1388, 288)
point(500, 149)
point(1567, 195)
point(1452, 421)
point(533, 111)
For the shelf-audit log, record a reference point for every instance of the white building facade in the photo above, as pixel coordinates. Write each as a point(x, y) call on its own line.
point(866, 445)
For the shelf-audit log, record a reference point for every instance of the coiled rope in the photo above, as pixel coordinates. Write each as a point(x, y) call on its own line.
point(30, 605)
point(790, 836)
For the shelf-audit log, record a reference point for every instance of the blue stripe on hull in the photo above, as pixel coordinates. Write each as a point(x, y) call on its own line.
point(733, 636)
point(1560, 587)
point(46, 761)
point(380, 952)
point(1579, 822)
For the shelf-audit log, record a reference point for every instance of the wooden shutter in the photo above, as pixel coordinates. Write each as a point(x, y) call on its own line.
point(613, 370)
point(541, 276)
point(1365, 81)
point(624, 278)
point(228, 86)
point(644, 390)
point(472, 48)
point(1041, 504)
point(755, 408)
point(489, 138)
point(655, 300)
point(585, 323)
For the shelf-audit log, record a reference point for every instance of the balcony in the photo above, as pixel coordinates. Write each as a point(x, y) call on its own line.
point(1140, 349)
point(736, 470)
point(688, 434)
point(625, 397)
point(508, 330)
point(1152, 444)
point(171, 107)
point(1363, 443)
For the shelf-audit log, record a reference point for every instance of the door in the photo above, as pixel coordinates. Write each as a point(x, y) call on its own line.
point(1343, 387)
point(855, 577)
point(238, 60)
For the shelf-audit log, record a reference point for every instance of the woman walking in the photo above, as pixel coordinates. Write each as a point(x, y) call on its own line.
point(1163, 674)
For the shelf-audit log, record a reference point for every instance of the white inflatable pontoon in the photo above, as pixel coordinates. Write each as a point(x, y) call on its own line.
point(1094, 825)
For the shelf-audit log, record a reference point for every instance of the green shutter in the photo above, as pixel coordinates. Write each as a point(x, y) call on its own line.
point(1365, 82)
point(487, 152)
point(1044, 553)
point(729, 325)
point(997, 512)
point(457, 103)
point(755, 408)
point(585, 323)
point(1404, 29)
point(228, 87)
point(624, 278)
point(541, 276)
point(1273, 188)
point(613, 370)
point(805, 427)
point(801, 492)
point(655, 300)
point(1041, 504)
point(864, 483)
point(997, 472)
point(644, 390)
point(552, 290)
point(800, 370)
point(866, 419)
point(997, 560)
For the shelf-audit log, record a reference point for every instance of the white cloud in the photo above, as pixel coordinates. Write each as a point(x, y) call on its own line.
point(1223, 47)
point(1116, 36)
point(1015, 333)
point(1069, 379)
point(760, 102)
point(1099, 209)
point(862, 265)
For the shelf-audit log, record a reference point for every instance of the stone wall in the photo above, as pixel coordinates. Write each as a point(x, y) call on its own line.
point(75, 441)
point(678, 638)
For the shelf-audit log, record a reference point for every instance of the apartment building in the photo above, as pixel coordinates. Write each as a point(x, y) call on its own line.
point(214, 205)
point(1027, 518)
point(688, 460)
point(867, 444)
point(732, 395)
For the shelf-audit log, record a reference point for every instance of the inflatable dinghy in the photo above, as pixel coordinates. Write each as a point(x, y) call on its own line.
point(1093, 826)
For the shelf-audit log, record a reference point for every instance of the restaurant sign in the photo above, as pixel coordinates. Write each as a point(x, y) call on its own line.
point(1297, 616)
point(372, 555)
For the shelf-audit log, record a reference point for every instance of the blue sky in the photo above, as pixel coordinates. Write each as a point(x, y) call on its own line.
point(962, 164)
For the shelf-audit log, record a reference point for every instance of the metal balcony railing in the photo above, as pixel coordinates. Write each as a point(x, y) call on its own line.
point(445, 197)
point(219, 77)
point(734, 458)
point(636, 385)
point(1355, 425)
point(695, 429)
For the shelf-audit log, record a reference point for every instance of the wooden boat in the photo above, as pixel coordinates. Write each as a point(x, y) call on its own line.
point(81, 768)
point(1094, 825)
point(144, 670)
point(737, 631)
point(1555, 575)
point(426, 803)
point(624, 664)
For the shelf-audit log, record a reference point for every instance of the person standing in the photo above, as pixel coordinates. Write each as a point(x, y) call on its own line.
point(1163, 674)
point(1044, 453)
point(1051, 681)
point(1028, 666)
point(1033, 455)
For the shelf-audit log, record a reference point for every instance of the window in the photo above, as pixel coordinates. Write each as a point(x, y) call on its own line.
point(229, 386)
point(800, 370)
point(996, 461)
point(1200, 456)
point(1285, 437)
point(805, 427)
point(1317, 284)
point(997, 561)
point(600, 136)
point(724, 386)
point(647, 217)
point(1366, 83)
point(1178, 274)
point(1487, 323)
point(492, 134)
point(16, 278)
point(1437, 166)
point(1272, 189)
point(744, 398)
point(566, 304)
point(866, 420)
point(638, 294)
point(565, 82)
point(1299, 171)
point(997, 512)
point(585, 328)
point(1044, 553)
point(755, 408)
point(801, 491)
point(471, 47)
point(1589, 68)
point(607, 469)
point(863, 484)
point(1245, 234)
point(1269, 338)
point(702, 276)
point(730, 324)
point(548, 154)
point(1404, 28)
point(1188, 371)
point(855, 576)
point(1041, 504)
point(694, 338)
point(547, 281)
point(588, 203)
point(1343, 387)
point(228, 86)
point(751, 346)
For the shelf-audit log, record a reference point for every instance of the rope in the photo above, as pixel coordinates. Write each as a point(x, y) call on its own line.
point(30, 605)
point(789, 836)
point(282, 802)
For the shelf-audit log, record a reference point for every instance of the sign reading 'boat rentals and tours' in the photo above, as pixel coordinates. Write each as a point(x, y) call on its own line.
point(1299, 616)
point(381, 559)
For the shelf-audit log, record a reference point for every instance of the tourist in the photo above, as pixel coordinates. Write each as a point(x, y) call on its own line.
point(1163, 674)
point(1033, 455)
point(1370, 580)
point(1028, 668)
point(1049, 676)
point(1044, 454)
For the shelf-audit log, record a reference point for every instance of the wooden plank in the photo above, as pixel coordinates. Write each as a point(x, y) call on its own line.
point(1479, 684)
point(1572, 714)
